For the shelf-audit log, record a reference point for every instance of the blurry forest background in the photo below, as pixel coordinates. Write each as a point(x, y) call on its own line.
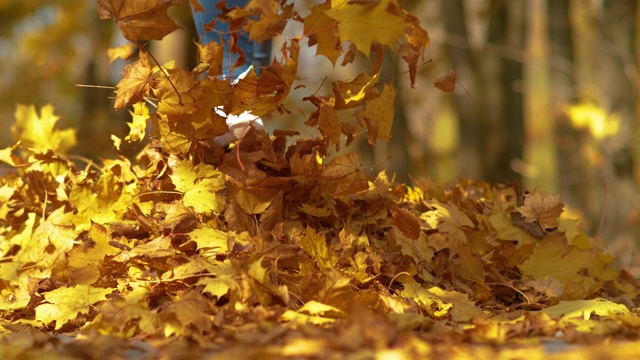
point(553, 95)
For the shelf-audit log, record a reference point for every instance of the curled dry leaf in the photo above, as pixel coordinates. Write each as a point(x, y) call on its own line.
point(446, 83)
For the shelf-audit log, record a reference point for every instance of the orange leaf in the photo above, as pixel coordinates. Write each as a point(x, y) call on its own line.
point(446, 83)
point(210, 58)
point(406, 222)
point(323, 31)
point(134, 83)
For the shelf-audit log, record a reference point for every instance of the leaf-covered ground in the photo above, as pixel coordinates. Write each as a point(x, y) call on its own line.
point(301, 258)
point(282, 246)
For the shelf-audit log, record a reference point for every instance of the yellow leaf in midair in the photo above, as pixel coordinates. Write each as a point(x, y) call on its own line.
point(121, 52)
point(138, 124)
point(365, 24)
point(38, 132)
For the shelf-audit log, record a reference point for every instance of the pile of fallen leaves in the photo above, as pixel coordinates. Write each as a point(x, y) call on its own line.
point(281, 245)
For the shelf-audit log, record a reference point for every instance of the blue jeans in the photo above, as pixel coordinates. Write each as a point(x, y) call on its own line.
point(257, 54)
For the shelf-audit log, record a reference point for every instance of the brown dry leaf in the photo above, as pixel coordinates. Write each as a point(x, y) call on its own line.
point(406, 222)
point(418, 40)
point(446, 83)
point(270, 24)
point(254, 200)
point(140, 20)
point(345, 172)
point(545, 210)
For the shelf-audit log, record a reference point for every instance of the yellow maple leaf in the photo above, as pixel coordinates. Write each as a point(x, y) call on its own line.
point(38, 132)
point(209, 238)
point(554, 264)
point(199, 184)
point(315, 313)
point(64, 304)
point(431, 302)
point(121, 52)
point(222, 283)
point(138, 124)
point(84, 261)
point(316, 246)
point(585, 308)
point(364, 24)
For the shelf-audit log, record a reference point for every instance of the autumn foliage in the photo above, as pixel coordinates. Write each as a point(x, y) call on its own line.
point(281, 245)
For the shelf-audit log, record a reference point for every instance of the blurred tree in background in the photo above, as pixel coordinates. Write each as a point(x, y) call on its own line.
point(553, 98)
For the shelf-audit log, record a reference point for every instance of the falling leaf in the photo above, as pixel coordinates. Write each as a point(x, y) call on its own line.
point(330, 125)
point(446, 83)
point(323, 31)
point(356, 21)
point(140, 20)
point(135, 82)
point(138, 124)
point(38, 132)
point(378, 115)
point(210, 57)
point(121, 52)
point(270, 23)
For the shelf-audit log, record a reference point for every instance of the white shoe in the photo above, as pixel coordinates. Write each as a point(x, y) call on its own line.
point(238, 124)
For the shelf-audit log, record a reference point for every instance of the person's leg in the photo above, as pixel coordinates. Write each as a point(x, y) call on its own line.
point(238, 124)
point(257, 54)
